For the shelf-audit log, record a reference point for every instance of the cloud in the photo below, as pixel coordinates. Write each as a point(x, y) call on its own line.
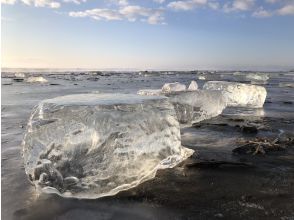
point(286, 10)
point(262, 13)
point(77, 2)
point(122, 2)
point(42, 3)
point(130, 13)
point(214, 5)
point(122, 10)
point(186, 5)
point(159, 1)
point(98, 14)
point(8, 2)
point(36, 3)
point(272, 1)
point(243, 5)
point(239, 5)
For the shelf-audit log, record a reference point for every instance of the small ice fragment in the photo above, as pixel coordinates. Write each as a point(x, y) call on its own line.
point(149, 92)
point(286, 84)
point(19, 75)
point(67, 194)
point(100, 144)
point(95, 92)
point(239, 94)
point(37, 79)
point(201, 77)
point(173, 87)
point(193, 86)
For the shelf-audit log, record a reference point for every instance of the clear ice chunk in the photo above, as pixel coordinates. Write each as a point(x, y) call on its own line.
point(36, 79)
point(169, 88)
point(239, 94)
point(195, 106)
point(257, 76)
point(19, 75)
point(193, 86)
point(286, 84)
point(95, 145)
point(173, 87)
point(201, 78)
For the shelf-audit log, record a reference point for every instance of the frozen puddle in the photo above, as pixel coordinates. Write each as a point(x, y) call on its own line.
point(94, 145)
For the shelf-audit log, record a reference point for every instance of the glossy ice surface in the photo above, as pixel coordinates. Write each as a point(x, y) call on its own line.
point(239, 94)
point(94, 145)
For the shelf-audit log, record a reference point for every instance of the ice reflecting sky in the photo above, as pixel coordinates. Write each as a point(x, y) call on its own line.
point(157, 34)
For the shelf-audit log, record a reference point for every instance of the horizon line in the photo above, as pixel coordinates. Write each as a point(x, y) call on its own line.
point(243, 69)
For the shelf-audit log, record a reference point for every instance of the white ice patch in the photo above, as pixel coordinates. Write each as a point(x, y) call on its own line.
point(239, 94)
point(37, 79)
point(94, 145)
point(19, 75)
point(173, 87)
point(149, 92)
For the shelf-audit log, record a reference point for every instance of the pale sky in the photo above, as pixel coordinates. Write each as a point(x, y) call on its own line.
point(148, 34)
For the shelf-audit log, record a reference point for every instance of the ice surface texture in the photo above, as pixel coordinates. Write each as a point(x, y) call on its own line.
point(195, 106)
point(239, 94)
point(94, 145)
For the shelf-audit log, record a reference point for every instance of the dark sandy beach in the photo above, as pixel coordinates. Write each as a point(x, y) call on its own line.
point(217, 182)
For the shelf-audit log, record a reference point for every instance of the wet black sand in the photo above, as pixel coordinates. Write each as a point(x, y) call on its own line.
point(213, 184)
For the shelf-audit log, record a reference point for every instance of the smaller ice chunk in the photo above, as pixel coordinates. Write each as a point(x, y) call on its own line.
point(239, 94)
point(193, 86)
point(19, 75)
point(173, 87)
point(201, 77)
point(37, 79)
point(149, 92)
point(286, 84)
point(195, 106)
point(257, 76)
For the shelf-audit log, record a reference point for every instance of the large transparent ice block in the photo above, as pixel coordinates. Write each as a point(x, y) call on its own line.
point(94, 145)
